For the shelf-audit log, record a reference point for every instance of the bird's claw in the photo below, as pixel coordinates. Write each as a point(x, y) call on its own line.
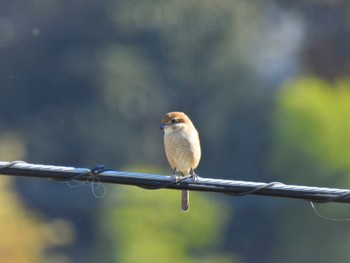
point(183, 177)
point(178, 176)
point(174, 177)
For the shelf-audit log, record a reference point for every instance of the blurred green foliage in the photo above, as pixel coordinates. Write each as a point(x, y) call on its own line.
point(148, 225)
point(23, 234)
point(87, 82)
point(312, 147)
point(26, 236)
point(313, 120)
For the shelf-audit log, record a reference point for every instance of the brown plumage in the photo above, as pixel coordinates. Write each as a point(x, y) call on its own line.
point(182, 147)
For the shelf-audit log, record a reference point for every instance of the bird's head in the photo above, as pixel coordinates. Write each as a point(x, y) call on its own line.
point(175, 121)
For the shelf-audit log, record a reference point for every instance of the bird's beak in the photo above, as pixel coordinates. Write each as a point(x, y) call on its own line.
point(162, 126)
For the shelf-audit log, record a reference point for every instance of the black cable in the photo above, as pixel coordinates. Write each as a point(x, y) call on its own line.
point(153, 182)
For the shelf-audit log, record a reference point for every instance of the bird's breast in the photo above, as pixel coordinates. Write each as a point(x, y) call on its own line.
point(183, 150)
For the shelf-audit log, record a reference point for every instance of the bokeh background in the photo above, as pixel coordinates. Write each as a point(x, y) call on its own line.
point(267, 84)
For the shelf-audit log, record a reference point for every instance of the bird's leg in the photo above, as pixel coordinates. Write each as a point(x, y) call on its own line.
point(174, 175)
point(194, 176)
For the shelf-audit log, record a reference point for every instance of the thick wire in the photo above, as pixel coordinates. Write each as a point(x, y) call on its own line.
point(92, 178)
point(152, 182)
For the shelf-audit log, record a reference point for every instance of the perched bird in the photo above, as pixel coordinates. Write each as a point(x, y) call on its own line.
point(182, 148)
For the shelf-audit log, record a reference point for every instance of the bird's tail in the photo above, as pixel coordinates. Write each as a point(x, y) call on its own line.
point(185, 200)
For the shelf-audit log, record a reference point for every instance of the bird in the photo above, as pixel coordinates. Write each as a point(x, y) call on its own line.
point(182, 148)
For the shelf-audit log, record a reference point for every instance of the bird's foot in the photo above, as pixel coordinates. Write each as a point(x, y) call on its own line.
point(174, 175)
point(193, 175)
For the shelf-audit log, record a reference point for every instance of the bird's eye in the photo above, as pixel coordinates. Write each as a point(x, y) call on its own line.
point(173, 121)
